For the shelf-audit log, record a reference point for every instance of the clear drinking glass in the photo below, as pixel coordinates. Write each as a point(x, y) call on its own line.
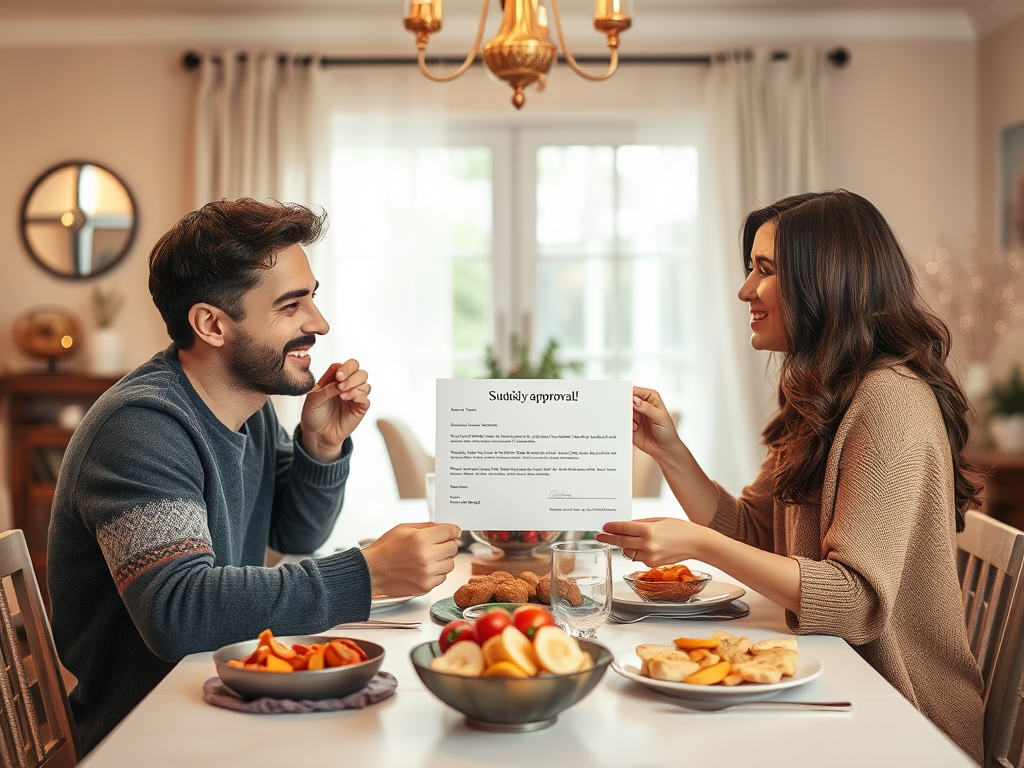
point(581, 586)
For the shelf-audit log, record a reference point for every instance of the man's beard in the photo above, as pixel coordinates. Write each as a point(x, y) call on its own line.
point(260, 368)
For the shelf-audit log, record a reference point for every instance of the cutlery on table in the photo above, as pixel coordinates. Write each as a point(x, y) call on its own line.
point(616, 619)
point(819, 706)
point(378, 624)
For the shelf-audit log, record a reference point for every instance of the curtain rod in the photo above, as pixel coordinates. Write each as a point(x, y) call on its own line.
point(839, 57)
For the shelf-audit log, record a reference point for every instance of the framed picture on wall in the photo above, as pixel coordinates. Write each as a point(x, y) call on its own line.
point(1011, 188)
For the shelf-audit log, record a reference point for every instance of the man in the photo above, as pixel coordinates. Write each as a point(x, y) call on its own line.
point(180, 476)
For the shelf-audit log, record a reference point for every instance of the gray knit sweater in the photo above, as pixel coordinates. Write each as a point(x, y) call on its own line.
point(158, 535)
point(878, 556)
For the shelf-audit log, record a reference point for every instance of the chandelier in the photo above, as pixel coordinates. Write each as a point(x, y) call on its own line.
point(522, 52)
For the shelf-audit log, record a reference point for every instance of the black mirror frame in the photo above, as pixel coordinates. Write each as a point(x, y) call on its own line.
point(38, 259)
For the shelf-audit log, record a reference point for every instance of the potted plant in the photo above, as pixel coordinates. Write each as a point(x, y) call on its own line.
point(105, 346)
point(1006, 419)
point(549, 366)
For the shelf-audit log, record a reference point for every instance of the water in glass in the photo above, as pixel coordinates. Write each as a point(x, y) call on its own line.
point(581, 582)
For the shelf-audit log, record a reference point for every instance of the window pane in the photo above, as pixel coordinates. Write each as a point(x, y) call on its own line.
point(561, 288)
point(657, 198)
point(471, 294)
point(575, 200)
point(611, 289)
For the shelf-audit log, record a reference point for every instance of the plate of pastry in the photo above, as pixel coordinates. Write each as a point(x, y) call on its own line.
point(722, 669)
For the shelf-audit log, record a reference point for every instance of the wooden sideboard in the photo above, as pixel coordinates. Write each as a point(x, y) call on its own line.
point(36, 439)
point(1004, 484)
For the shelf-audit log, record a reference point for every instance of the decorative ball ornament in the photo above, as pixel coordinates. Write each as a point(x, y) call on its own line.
point(47, 332)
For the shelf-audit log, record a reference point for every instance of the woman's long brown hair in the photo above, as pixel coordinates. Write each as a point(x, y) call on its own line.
point(850, 306)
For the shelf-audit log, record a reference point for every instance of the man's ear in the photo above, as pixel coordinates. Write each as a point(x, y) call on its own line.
point(209, 324)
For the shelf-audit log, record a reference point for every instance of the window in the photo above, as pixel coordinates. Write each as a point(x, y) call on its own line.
point(439, 248)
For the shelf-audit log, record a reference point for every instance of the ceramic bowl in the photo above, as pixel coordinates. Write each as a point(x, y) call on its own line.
point(667, 591)
point(508, 704)
point(330, 683)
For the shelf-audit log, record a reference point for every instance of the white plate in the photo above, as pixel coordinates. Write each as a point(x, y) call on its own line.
point(625, 600)
point(627, 664)
point(381, 604)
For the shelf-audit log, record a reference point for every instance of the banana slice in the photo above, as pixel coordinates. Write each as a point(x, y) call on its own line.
point(465, 658)
point(515, 647)
point(556, 651)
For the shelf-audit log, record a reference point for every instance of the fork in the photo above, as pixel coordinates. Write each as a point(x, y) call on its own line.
point(822, 706)
point(379, 624)
point(616, 619)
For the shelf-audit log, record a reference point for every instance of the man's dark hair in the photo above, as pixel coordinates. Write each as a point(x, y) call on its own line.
point(215, 256)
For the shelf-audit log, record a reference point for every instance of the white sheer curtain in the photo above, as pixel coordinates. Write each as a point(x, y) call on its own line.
point(765, 124)
point(260, 129)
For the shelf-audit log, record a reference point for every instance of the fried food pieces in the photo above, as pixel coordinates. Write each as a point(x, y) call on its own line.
point(503, 587)
point(271, 655)
point(722, 659)
point(678, 572)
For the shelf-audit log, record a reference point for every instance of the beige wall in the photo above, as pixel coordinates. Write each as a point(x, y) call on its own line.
point(127, 109)
point(902, 131)
point(1000, 77)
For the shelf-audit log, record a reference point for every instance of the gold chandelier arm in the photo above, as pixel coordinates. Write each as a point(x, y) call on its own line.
point(613, 62)
point(469, 59)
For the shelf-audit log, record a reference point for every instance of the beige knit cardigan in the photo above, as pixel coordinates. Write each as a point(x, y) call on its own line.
point(878, 556)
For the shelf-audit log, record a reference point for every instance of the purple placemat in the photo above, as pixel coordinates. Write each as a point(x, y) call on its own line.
point(381, 687)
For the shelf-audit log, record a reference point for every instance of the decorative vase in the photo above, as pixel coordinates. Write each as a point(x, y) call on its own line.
point(1008, 432)
point(105, 349)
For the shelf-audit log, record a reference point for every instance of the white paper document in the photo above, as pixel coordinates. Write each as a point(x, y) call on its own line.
point(533, 454)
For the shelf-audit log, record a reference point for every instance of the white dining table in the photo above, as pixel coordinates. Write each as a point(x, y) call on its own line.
point(620, 724)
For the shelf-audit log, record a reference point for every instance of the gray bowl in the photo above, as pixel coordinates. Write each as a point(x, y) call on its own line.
point(330, 683)
point(510, 704)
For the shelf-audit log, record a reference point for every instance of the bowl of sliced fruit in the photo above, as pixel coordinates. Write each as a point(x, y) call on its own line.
point(668, 584)
point(298, 666)
point(510, 672)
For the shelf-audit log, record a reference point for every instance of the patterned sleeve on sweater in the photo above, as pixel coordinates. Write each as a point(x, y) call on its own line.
point(149, 514)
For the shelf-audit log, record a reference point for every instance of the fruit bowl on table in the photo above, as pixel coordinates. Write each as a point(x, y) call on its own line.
point(667, 591)
point(329, 683)
point(516, 542)
point(510, 704)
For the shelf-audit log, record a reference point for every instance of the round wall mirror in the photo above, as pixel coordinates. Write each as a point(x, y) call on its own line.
point(78, 220)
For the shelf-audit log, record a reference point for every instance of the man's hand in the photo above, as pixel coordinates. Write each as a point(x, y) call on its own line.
point(412, 558)
point(333, 409)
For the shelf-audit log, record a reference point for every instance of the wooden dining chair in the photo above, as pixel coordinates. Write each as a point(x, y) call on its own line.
point(408, 458)
point(1004, 702)
point(989, 558)
point(37, 729)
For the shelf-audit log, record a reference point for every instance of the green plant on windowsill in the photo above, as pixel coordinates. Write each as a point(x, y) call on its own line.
point(1007, 397)
point(549, 366)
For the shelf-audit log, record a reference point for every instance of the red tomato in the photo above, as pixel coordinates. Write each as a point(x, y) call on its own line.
point(529, 618)
point(455, 631)
point(490, 624)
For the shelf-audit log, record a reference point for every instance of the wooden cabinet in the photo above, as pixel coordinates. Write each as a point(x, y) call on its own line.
point(33, 404)
point(1004, 484)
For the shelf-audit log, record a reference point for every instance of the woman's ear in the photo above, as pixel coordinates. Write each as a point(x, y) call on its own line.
point(208, 323)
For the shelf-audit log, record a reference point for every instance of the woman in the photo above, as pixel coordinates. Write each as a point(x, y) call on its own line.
point(851, 522)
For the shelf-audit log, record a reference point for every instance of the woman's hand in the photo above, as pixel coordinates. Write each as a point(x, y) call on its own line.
point(333, 409)
point(654, 431)
point(655, 541)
